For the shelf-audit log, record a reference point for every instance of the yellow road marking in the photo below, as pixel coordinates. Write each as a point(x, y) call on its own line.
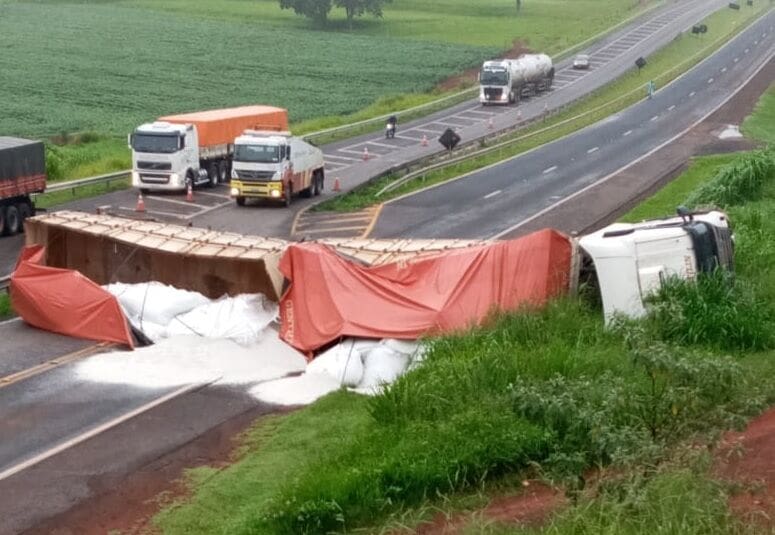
point(53, 363)
point(374, 218)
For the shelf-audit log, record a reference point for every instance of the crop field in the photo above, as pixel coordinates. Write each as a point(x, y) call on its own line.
point(107, 66)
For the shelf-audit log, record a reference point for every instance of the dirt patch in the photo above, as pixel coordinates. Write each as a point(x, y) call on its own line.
point(127, 506)
point(469, 77)
point(528, 508)
point(747, 462)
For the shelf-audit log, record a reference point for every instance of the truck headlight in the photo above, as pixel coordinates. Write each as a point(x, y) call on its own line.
point(275, 193)
point(234, 192)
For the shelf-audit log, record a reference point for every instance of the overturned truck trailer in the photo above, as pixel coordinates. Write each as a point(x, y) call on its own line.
point(110, 249)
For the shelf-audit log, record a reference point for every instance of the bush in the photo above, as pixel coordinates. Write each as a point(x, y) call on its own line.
point(737, 182)
point(717, 310)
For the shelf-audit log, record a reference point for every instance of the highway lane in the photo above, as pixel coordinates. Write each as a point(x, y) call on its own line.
point(488, 202)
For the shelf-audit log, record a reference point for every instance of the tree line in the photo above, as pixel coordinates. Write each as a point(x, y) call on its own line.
point(318, 10)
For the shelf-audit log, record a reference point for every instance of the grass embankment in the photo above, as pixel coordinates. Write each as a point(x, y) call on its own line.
point(6, 311)
point(663, 67)
point(548, 393)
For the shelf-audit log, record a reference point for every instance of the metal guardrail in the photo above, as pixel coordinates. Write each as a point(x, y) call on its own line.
point(81, 182)
point(5, 282)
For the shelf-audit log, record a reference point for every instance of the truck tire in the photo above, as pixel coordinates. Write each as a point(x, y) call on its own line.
point(240, 201)
point(223, 172)
point(212, 174)
point(2, 221)
point(288, 196)
point(25, 211)
point(512, 97)
point(12, 220)
point(308, 192)
point(317, 183)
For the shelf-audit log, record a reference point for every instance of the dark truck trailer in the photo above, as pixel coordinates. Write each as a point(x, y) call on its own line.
point(22, 173)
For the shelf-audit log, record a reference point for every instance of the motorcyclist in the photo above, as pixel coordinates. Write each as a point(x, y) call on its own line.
point(392, 122)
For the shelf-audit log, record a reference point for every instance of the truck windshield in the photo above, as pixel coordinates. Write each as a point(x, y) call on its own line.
point(494, 78)
point(257, 153)
point(155, 143)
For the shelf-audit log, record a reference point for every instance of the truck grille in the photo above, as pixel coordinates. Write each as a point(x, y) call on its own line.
point(157, 166)
point(492, 93)
point(154, 179)
point(243, 174)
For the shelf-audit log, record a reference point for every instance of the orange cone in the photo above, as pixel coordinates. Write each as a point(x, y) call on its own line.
point(190, 194)
point(424, 141)
point(336, 184)
point(365, 154)
point(140, 203)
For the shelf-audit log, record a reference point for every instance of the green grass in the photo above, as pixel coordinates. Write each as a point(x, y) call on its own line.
point(6, 311)
point(50, 200)
point(759, 125)
point(93, 156)
point(663, 66)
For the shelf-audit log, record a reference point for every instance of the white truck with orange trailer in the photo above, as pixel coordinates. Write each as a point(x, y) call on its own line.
point(194, 149)
point(275, 165)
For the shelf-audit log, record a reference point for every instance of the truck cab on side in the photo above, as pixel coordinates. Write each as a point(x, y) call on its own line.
point(275, 165)
point(22, 174)
point(631, 261)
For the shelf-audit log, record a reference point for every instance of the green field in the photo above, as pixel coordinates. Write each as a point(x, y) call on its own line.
point(546, 394)
point(107, 66)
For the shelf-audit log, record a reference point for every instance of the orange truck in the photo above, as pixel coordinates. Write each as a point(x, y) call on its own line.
point(196, 148)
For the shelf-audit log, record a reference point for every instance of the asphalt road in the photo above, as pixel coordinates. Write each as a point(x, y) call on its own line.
point(495, 200)
point(610, 57)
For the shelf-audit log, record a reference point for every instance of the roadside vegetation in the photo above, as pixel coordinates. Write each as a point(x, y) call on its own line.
point(6, 311)
point(623, 419)
point(322, 77)
point(663, 67)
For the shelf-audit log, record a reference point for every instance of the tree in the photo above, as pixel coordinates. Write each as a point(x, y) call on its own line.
point(356, 8)
point(317, 10)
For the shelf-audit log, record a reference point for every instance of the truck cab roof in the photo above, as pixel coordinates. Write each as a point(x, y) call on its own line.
point(263, 136)
point(161, 128)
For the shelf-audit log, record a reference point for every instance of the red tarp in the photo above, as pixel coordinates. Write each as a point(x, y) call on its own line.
point(64, 301)
point(330, 296)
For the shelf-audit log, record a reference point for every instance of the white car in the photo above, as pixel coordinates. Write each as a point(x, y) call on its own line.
point(581, 62)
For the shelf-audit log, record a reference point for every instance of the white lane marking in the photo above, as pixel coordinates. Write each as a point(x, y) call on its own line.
point(208, 210)
point(723, 69)
point(671, 108)
point(746, 51)
point(756, 42)
point(550, 169)
point(593, 149)
point(654, 118)
point(737, 59)
point(493, 194)
point(710, 80)
point(692, 94)
point(627, 166)
point(627, 133)
point(210, 194)
point(97, 430)
point(384, 145)
point(6, 322)
point(338, 157)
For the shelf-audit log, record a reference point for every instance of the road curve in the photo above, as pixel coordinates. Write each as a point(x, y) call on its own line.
point(497, 199)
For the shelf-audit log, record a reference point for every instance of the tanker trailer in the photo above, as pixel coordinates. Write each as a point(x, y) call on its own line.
point(506, 81)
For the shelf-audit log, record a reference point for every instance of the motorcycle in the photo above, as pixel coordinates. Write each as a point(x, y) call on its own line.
point(390, 130)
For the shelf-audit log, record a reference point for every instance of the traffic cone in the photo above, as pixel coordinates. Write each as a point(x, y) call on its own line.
point(140, 203)
point(489, 124)
point(336, 184)
point(365, 154)
point(424, 141)
point(190, 194)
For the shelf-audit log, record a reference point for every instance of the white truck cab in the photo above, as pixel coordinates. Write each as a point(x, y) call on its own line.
point(632, 260)
point(163, 154)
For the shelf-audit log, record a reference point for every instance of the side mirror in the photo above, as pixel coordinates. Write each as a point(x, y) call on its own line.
point(130, 140)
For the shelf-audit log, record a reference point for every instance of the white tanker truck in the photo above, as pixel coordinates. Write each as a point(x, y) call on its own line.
point(506, 81)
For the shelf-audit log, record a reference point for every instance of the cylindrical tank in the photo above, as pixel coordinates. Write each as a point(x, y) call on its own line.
point(530, 68)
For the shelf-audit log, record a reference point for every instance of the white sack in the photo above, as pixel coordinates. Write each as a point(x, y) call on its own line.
point(342, 363)
point(382, 366)
point(155, 302)
point(242, 318)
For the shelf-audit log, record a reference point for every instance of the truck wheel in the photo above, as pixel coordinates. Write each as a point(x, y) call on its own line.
point(12, 223)
point(223, 173)
point(288, 196)
point(317, 184)
point(240, 201)
point(25, 211)
point(512, 98)
point(307, 192)
point(2, 221)
point(212, 174)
